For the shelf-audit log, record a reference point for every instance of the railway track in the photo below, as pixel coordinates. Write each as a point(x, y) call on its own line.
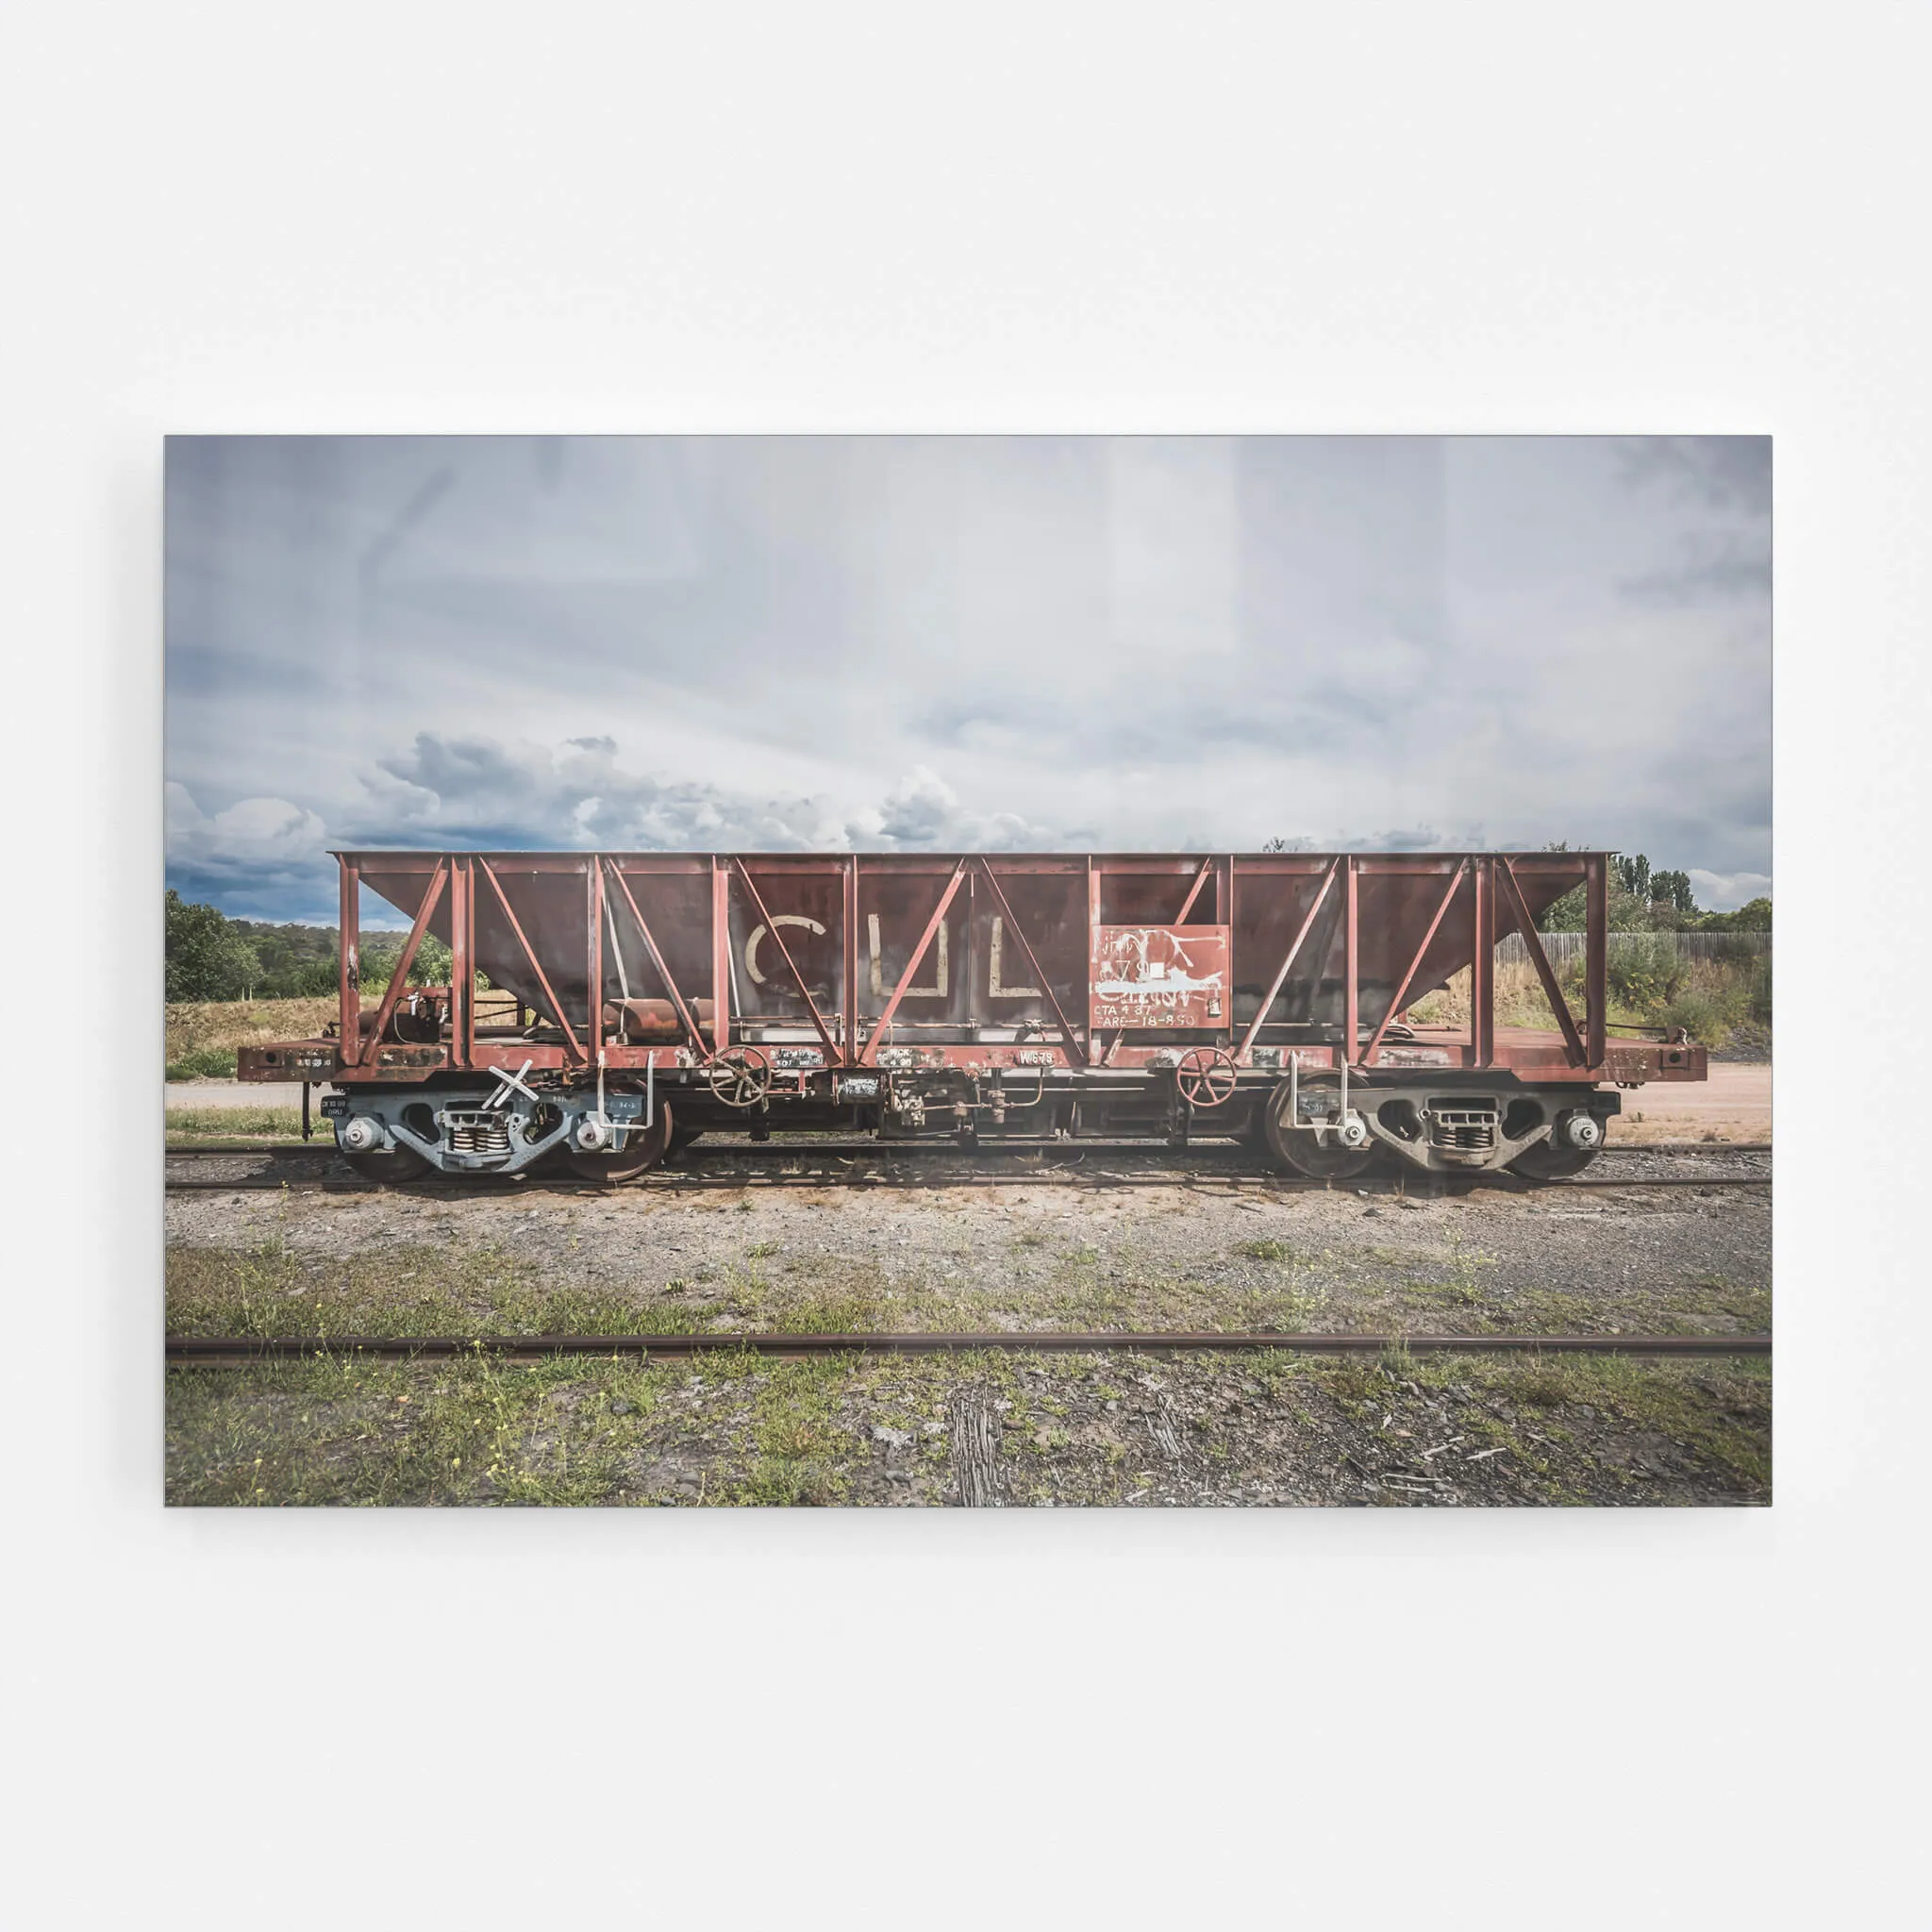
point(799, 1148)
point(765, 1165)
point(234, 1351)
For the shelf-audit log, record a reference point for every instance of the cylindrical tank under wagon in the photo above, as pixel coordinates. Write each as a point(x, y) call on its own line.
point(632, 1001)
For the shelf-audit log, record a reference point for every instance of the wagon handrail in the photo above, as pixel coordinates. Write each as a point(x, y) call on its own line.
point(1573, 1040)
point(1240, 1053)
point(811, 1006)
point(1415, 965)
point(1075, 1047)
point(536, 965)
point(867, 1054)
point(684, 1015)
point(431, 895)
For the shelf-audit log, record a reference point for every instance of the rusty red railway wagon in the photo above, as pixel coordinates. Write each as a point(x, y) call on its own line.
point(604, 1007)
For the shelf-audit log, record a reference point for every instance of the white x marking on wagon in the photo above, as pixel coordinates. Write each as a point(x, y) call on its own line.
point(512, 1083)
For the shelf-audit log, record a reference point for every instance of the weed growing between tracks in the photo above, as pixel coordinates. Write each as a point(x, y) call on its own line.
point(1257, 1427)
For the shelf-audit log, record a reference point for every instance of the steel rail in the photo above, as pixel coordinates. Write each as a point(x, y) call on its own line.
point(185, 1351)
point(795, 1147)
point(673, 1181)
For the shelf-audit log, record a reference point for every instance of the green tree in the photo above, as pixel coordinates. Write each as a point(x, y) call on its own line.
point(1571, 912)
point(1673, 890)
point(206, 958)
point(1753, 916)
point(307, 979)
point(431, 966)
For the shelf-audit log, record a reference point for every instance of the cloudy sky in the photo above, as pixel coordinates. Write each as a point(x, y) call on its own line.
point(996, 644)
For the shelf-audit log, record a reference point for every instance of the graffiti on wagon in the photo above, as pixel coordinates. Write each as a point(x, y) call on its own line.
point(1159, 975)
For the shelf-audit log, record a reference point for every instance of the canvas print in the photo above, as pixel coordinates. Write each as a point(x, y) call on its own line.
point(919, 970)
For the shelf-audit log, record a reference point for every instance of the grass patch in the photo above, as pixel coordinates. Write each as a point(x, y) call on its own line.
point(1461, 1284)
point(342, 1430)
point(188, 1124)
point(1716, 1412)
point(204, 1063)
point(801, 1455)
point(429, 1289)
point(728, 1426)
point(224, 1025)
point(408, 1290)
point(1747, 1303)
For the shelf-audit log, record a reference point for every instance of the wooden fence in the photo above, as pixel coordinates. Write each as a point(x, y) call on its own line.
point(1562, 947)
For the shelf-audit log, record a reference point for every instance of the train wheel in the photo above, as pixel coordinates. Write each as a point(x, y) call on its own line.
point(1545, 1162)
point(1296, 1149)
point(643, 1148)
point(389, 1165)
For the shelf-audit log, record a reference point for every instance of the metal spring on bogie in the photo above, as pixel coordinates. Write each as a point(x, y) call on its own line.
point(476, 1133)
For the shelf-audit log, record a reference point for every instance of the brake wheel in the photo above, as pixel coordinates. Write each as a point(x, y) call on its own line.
point(1205, 1075)
point(740, 1076)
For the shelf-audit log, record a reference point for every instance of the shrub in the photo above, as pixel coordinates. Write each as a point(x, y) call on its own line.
point(1700, 1014)
point(1645, 972)
point(204, 1063)
point(1718, 995)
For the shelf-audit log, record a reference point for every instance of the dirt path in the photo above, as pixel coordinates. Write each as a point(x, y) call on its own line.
point(1733, 1105)
point(231, 1093)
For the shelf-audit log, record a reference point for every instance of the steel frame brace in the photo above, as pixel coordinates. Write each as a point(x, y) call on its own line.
point(1281, 972)
point(572, 1043)
point(869, 1054)
point(685, 1018)
point(1533, 945)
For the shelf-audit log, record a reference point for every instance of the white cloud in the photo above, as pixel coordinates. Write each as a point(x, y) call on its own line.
point(1726, 891)
point(477, 791)
point(922, 813)
point(250, 835)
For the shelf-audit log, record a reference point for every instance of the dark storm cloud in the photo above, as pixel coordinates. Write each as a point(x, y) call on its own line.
point(786, 643)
